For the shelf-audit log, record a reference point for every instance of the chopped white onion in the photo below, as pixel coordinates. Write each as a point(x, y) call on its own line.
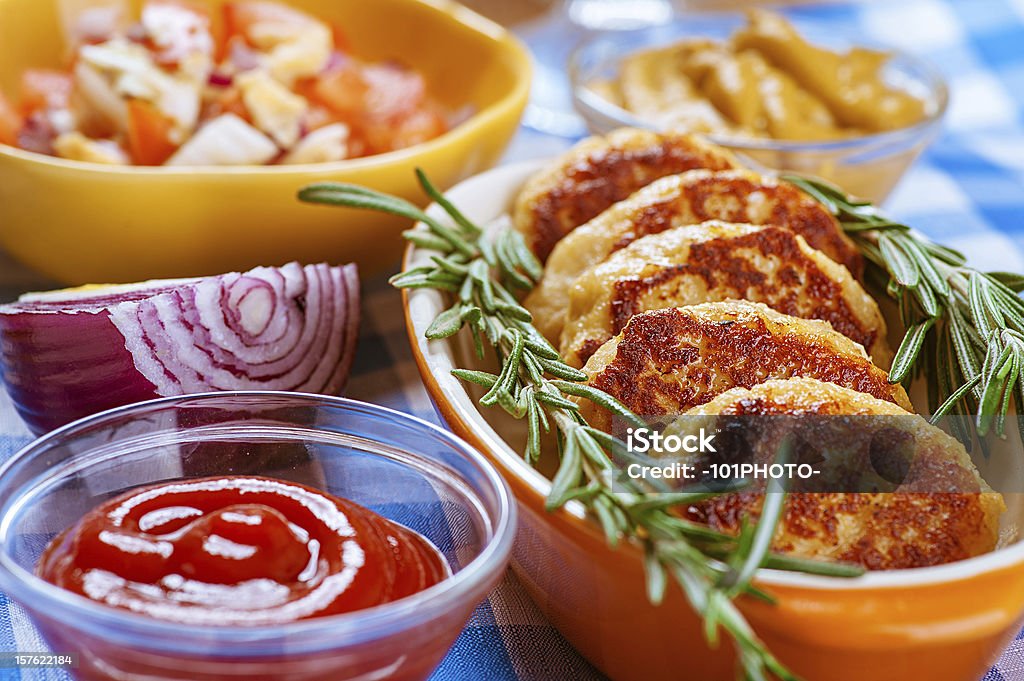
point(225, 141)
point(276, 110)
point(323, 145)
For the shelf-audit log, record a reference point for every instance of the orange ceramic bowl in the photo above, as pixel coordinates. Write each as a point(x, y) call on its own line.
point(83, 222)
point(945, 623)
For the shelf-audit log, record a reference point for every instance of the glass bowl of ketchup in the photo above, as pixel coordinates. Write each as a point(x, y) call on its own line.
point(252, 535)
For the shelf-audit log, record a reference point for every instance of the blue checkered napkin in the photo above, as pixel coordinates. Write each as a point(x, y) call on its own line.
point(1010, 666)
point(16, 632)
point(966, 191)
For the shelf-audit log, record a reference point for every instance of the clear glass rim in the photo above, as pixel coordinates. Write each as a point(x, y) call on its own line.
point(938, 91)
point(342, 629)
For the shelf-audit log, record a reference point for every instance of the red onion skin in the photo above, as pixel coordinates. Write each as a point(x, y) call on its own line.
point(59, 366)
point(218, 79)
point(54, 383)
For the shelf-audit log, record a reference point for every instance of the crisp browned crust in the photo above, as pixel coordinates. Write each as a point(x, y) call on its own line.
point(943, 511)
point(692, 197)
point(717, 261)
point(877, 531)
point(815, 295)
point(597, 173)
point(668, 361)
point(743, 196)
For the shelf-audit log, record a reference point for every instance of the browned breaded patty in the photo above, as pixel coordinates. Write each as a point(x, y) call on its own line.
point(716, 261)
point(671, 360)
point(940, 511)
point(600, 171)
point(689, 198)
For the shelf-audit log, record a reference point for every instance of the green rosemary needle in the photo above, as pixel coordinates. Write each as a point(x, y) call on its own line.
point(965, 328)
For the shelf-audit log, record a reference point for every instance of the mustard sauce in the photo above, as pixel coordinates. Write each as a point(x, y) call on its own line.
point(766, 81)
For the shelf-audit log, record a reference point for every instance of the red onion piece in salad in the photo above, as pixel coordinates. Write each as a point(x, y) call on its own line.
point(218, 79)
point(68, 354)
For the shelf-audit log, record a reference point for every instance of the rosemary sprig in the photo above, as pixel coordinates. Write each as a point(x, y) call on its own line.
point(965, 328)
point(481, 271)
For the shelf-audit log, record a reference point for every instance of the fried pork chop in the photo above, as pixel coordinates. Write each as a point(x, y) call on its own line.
point(717, 261)
point(936, 511)
point(689, 198)
point(600, 171)
point(671, 360)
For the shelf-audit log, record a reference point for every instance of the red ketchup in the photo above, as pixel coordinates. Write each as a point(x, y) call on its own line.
point(239, 550)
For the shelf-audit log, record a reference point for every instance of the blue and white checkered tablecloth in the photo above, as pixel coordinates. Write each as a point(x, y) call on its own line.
point(967, 191)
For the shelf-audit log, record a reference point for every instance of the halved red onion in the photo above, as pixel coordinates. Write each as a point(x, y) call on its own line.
point(67, 354)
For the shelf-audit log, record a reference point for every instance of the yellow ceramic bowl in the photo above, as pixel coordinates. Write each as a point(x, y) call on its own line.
point(81, 222)
point(945, 623)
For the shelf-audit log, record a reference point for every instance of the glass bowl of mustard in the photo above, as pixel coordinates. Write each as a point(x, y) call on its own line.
point(190, 571)
point(784, 97)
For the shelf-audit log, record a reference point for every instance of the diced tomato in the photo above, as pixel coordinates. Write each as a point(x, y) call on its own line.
point(420, 126)
point(240, 17)
point(385, 104)
point(318, 117)
point(149, 134)
point(341, 41)
point(393, 91)
point(43, 89)
point(357, 145)
point(377, 137)
point(343, 90)
point(10, 122)
point(376, 92)
point(228, 101)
